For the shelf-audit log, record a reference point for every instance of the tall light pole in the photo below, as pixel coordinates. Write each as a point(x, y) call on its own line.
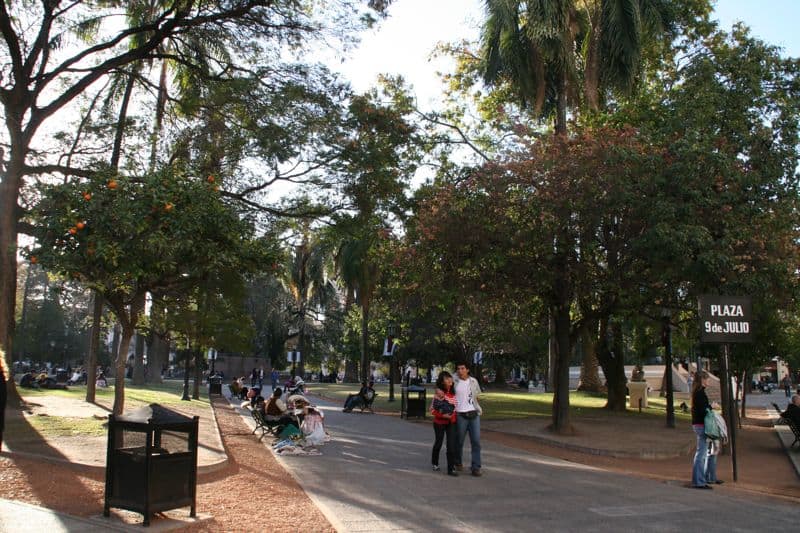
point(388, 350)
point(666, 337)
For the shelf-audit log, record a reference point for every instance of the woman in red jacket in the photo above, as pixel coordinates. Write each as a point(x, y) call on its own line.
point(443, 409)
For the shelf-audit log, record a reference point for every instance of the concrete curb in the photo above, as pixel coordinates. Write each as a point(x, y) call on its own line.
point(786, 437)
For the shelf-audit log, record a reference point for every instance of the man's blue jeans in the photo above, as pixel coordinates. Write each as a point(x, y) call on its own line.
point(473, 426)
point(704, 469)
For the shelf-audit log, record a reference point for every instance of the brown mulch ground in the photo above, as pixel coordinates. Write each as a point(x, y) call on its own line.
point(239, 497)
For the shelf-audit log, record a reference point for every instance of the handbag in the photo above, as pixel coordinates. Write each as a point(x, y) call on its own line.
point(712, 429)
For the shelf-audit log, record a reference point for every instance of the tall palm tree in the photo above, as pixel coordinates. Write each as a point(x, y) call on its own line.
point(547, 49)
point(310, 289)
point(359, 272)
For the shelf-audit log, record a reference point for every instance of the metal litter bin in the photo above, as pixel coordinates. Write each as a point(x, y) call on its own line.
point(151, 464)
point(413, 402)
point(215, 386)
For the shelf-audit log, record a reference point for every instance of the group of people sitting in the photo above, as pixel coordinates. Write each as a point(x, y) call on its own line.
point(31, 380)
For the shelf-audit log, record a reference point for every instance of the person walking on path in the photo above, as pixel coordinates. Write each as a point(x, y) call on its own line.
point(273, 378)
point(443, 409)
point(468, 417)
point(704, 467)
point(787, 384)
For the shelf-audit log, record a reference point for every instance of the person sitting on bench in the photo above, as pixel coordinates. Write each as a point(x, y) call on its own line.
point(792, 411)
point(363, 397)
point(275, 410)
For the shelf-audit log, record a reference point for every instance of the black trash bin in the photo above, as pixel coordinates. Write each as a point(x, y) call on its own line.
point(215, 385)
point(61, 376)
point(413, 402)
point(151, 464)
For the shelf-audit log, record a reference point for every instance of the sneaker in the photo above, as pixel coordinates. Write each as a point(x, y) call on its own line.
point(706, 487)
point(436, 468)
point(476, 472)
point(452, 473)
point(718, 482)
point(459, 467)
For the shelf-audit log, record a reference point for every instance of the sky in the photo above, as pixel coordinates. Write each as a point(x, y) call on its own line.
point(402, 44)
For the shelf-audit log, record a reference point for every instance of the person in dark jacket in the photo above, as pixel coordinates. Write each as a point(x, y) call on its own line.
point(792, 411)
point(704, 468)
point(443, 409)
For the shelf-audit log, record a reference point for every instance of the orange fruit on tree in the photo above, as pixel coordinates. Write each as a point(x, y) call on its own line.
point(73, 230)
point(87, 196)
point(210, 179)
point(168, 207)
point(80, 225)
point(112, 184)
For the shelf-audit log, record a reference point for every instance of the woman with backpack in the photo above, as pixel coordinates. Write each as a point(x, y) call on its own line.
point(704, 468)
point(443, 409)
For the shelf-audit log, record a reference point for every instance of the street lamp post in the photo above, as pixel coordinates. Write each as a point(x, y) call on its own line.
point(666, 337)
point(389, 351)
point(185, 396)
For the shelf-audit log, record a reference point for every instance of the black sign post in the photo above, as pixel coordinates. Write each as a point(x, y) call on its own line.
point(725, 320)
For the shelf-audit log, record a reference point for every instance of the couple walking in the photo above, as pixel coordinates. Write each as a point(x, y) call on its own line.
point(456, 412)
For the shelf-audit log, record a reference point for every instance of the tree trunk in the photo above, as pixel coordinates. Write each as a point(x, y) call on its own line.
point(561, 314)
point(161, 102)
point(10, 184)
point(138, 360)
point(116, 151)
point(198, 373)
point(94, 346)
point(115, 340)
point(591, 73)
point(743, 386)
point(561, 106)
point(364, 341)
point(499, 375)
point(590, 376)
point(301, 347)
point(350, 371)
point(122, 358)
point(613, 362)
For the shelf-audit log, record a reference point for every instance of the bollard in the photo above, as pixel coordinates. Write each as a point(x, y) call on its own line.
point(640, 405)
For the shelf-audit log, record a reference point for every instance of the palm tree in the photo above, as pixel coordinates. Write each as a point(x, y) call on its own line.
point(310, 289)
point(546, 49)
point(359, 272)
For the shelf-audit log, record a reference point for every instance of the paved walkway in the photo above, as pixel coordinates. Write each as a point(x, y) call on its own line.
point(375, 476)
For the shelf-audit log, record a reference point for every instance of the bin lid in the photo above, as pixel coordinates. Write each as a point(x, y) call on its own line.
point(156, 414)
point(416, 388)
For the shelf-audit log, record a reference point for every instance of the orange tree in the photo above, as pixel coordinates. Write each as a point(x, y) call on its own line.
point(125, 236)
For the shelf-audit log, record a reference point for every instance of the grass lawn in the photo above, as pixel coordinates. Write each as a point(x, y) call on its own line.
point(504, 405)
point(167, 393)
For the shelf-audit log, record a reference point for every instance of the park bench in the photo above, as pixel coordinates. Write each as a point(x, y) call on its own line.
point(263, 424)
point(789, 422)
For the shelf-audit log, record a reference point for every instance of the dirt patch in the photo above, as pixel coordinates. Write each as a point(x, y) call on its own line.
point(252, 492)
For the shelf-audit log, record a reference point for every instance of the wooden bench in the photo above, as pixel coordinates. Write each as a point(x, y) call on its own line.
point(789, 422)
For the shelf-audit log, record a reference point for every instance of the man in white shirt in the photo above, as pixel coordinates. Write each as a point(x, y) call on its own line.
point(468, 420)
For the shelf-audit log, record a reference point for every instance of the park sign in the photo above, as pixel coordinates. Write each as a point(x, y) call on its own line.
point(725, 319)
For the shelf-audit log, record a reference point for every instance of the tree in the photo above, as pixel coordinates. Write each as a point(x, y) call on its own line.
point(127, 236)
point(42, 79)
point(543, 49)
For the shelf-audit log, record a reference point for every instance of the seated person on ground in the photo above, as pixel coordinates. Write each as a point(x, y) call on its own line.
point(236, 389)
point(276, 411)
point(101, 380)
point(363, 397)
point(792, 411)
point(28, 381)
